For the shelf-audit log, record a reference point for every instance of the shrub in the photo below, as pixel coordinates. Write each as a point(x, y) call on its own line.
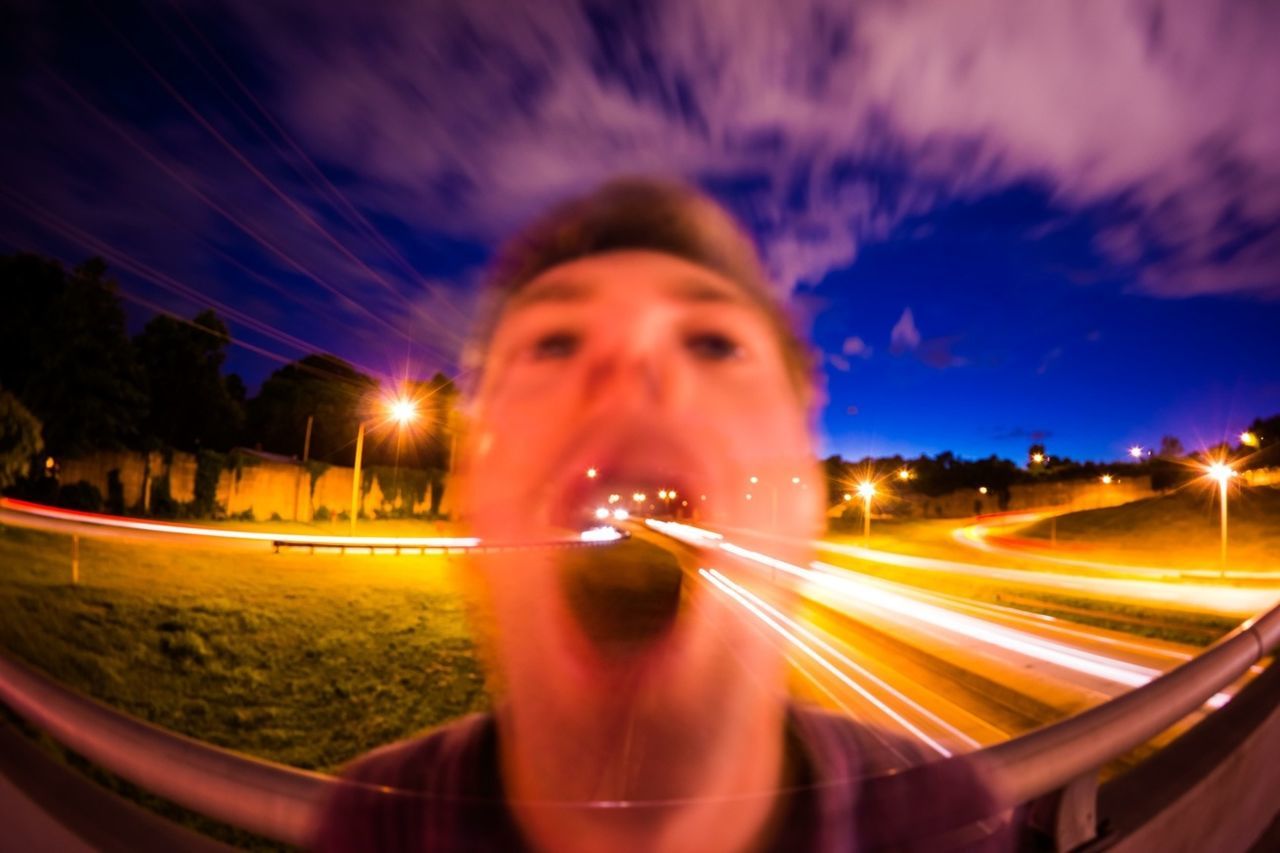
point(81, 495)
point(162, 503)
point(209, 467)
point(321, 514)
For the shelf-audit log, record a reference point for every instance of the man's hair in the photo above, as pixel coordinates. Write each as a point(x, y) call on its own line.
point(651, 214)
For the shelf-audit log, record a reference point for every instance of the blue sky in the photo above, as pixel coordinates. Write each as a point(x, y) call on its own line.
point(998, 220)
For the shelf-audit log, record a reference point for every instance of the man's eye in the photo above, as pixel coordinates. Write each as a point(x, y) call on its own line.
point(555, 345)
point(712, 346)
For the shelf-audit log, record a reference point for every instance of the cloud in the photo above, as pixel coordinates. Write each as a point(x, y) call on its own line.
point(1049, 359)
point(856, 346)
point(904, 336)
point(936, 353)
point(1023, 433)
point(831, 121)
point(839, 362)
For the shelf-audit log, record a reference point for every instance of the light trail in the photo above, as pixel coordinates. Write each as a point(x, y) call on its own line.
point(1215, 598)
point(232, 218)
point(121, 523)
point(743, 597)
point(979, 536)
point(866, 596)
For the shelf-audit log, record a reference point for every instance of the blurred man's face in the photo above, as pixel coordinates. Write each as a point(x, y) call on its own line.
point(656, 374)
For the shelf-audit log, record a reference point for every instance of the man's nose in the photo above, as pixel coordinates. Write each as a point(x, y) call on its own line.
point(637, 366)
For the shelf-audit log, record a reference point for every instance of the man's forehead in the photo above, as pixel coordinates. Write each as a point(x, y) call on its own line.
point(590, 278)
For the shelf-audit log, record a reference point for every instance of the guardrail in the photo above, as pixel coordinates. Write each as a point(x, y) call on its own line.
point(1061, 760)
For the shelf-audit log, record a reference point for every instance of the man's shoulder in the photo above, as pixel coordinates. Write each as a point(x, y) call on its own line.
point(444, 758)
point(438, 791)
point(902, 793)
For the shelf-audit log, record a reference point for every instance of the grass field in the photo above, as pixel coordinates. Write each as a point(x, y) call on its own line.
point(307, 660)
point(1180, 529)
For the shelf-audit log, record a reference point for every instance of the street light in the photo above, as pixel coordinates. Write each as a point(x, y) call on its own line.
point(1037, 458)
point(401, 410)
point(866, 491)
point(1136, 451)
point(1249, 439)
point(1107, 479)
point(905, 474)
point(1222, 472)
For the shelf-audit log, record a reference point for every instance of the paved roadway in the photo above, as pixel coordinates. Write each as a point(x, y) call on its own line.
point(900, 639)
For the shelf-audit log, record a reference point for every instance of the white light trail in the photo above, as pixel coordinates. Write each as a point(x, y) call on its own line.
point(742, 596)
point(116, 522)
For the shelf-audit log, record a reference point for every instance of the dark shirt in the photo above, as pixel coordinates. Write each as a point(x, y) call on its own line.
point(443, 792)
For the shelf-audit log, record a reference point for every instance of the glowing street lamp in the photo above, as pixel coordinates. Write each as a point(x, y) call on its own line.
point(866, 491)
point(1107, 479)
point(1249, 439)
point(1222, 473)
point(905, 474)
point(592, 473)
point(1037, 458)
point(1136, 451)
point(402, 411)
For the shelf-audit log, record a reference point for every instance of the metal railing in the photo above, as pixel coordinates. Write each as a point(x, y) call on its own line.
point(281, 802)
point(1046, 759)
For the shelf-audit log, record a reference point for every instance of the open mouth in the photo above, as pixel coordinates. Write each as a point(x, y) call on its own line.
point(623, 597)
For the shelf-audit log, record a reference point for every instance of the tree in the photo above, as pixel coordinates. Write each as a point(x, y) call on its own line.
point(193, 406)
point(19, 438)
point(64, 353)
point(324, 387)
point(1171, 448)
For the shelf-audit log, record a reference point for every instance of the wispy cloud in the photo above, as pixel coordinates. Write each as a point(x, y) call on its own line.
point(857, 347)
point(904, 336)
point(832, 121)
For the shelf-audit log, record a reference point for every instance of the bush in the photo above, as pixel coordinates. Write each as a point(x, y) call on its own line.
point(19, 438)
point(115, 492)
point(162, 503)
point(247, 515)
point(321, 514)
point(81, 495)
point(275, 516)
point(209, 467)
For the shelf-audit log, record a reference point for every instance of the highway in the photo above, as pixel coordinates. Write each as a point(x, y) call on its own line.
point(914, 644)
point(921, 656)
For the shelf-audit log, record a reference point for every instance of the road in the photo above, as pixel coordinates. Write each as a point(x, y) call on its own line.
point(910, 642)
point(949, 647)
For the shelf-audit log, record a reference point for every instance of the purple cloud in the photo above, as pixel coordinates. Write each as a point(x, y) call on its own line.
point(904, 336)
point(471, 115)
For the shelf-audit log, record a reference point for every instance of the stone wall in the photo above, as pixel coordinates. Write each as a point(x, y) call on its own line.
point(1069, 494)
point(256, 485)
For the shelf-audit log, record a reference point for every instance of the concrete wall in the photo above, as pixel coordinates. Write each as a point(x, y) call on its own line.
point(1072, 494)
point(1261, 477)
point(261, 486)
point(267, 489)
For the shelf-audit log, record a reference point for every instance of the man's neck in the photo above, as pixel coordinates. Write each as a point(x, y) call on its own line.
point(637, 788)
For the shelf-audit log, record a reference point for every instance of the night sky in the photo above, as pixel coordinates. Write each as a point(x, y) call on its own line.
point(1000, 221)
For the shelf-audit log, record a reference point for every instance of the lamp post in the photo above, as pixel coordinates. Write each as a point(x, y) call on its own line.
point(866, 491)
point(402, 411)
point(1222, 473)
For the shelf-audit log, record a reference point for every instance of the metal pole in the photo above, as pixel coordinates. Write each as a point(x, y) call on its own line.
point(866, 518)
point(75, 558)
point(306, 442)
point(306, 453)
point(355, 479)
point(1222, 501)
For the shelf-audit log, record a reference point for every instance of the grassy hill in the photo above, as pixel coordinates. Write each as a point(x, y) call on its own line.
point(1178, 529)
